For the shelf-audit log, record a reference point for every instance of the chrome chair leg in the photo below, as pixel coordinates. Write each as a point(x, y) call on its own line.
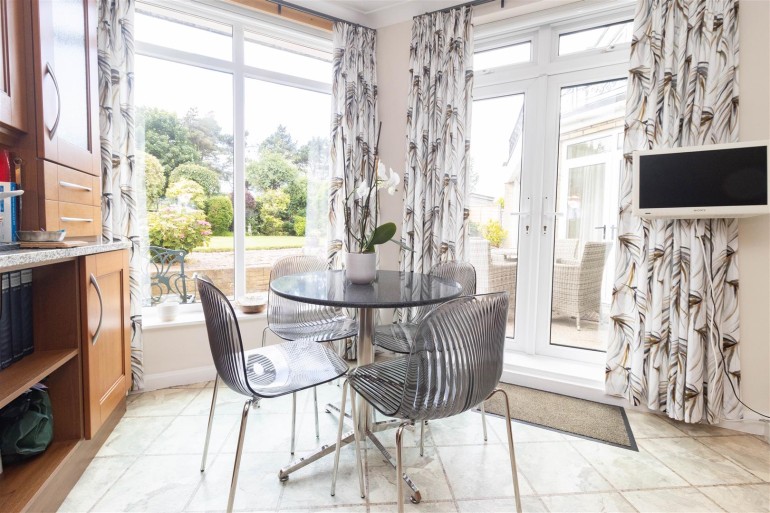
point(484, 420)
point(422, 437)
point(510, 446)
point(211, 422)
point(238, 452)
point(264, 335)
point(359, 463)
point(357, 441)
point(339, 436)
point(293, 419)
point(399, 467)
point(315, 403)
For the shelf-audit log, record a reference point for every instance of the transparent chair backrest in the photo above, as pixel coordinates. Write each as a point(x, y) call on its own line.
point(224, 336)
point(281, 311)
point(462, 272)
point(457, 358)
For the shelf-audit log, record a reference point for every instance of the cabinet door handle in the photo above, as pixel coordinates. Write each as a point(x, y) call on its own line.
point(49, 71)
point(76, 219)
point(101, 308)
point(70, 185)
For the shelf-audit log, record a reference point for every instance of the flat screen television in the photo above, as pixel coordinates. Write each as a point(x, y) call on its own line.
point(719, 180)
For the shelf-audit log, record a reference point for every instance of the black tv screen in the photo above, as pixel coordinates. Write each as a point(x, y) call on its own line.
point(706, 178)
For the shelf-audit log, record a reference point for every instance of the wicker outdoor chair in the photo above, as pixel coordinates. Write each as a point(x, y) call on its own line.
point(577, 285)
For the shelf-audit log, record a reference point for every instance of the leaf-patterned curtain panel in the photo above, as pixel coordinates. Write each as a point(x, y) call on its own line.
point(354, 124)
point(115, 46)
point(674, 344)
point(438, 126)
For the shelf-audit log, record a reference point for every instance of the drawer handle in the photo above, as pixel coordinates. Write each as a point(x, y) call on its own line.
point(101, 308)
point(76, 220)
point(49, 71)
point(70, 185)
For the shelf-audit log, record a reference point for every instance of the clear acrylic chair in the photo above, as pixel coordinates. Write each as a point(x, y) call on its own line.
point(292, 320)
point(266, 372)
point(455, 363)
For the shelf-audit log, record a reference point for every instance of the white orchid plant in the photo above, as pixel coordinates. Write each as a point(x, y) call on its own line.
point(375, 178)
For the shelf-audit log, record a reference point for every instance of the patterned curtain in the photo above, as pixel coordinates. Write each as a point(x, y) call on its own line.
point(354, 124)
point(675, 335)
point(115, 42)
point(438, 126)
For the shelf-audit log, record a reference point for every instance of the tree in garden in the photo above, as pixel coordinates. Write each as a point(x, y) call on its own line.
point(154, 179)
point(216, 148)
point(202, 175)
point(167, 138)
point(279, 142)
point(219, 212)
point(272, 206)
point(272, 171)
point(187, 192)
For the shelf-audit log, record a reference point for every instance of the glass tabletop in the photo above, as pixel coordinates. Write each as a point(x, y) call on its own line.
point(391, 289)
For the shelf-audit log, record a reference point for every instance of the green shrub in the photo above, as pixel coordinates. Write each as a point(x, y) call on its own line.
point(203, 176)
point(271, 225)
point(494, 232)
point(299, 225)
point(154, 179)
point(184, 187)
point(178, 228)
point(219, 212)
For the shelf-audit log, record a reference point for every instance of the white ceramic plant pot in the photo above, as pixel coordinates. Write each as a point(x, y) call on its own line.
point(361, 268)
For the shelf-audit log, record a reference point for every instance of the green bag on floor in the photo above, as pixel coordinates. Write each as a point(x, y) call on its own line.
point(26, 426)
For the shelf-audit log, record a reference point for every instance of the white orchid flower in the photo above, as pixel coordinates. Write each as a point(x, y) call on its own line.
point(362, 190)
point(393, 181)
point(382, 173)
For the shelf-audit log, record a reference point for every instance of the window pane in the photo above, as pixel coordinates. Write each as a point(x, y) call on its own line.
point(185, 129)
point(288, 58)
point(591, 119)
point(596, 38)
point(504, 56)
point(494, 198)
point(172, 29)
point(287, 170)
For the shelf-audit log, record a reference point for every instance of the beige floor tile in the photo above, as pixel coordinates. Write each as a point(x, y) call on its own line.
point(695, 462)
point(463, 429)
point(747, 451)
point(741, 499)
point(187, 435)
point(169, 401)
point(587, 503)
point(650, 425)
point(556, 467)
point(628, 470)
point(425, 471)
point(524, 433)
point(528, 505)
point(701, 429)
point(133, 435)
point(428, 507)
point(95, 481)
point(481, 472)
point(673, 500)
point(162, 484)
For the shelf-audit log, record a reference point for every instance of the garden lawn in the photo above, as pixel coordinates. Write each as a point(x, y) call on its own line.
point(217, 244)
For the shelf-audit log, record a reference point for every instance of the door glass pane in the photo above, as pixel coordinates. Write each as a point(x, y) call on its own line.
point(185, 32)
point(596, 38)
point(494, 195)
point(185, 138)
point(69, 68)
point(590, 156)
point(287, 170)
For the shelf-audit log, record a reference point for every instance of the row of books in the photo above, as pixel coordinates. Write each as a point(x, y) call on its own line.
point(16, 340)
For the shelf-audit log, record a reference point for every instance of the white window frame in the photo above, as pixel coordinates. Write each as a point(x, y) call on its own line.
point(241, 20)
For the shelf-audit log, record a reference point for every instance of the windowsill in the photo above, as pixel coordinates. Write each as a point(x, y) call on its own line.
point(189, 315)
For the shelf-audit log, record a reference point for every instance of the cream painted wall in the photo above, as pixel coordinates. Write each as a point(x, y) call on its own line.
point(754, 253)
point(754, 233)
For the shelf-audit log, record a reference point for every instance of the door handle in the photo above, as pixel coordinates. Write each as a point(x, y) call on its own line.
point(95, 284)
point(553, 214)
point(519, 214)
point(603, 228)
point(49, 71)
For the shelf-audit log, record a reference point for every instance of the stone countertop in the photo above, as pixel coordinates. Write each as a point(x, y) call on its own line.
point(20, 258)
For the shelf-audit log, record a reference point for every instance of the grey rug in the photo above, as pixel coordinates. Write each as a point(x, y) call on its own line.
point(587, 419)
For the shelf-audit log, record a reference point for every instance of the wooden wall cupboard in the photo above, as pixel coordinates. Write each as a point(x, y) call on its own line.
point(13, 74)
point(64, 313)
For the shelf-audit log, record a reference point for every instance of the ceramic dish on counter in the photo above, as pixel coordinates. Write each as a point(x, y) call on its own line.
point(252, 303)
point(41, 236)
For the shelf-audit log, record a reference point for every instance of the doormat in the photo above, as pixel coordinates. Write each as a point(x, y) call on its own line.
point(587, 419)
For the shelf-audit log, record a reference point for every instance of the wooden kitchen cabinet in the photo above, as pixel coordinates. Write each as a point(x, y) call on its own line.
point(13, 73)
point(106, 341)
point(65, 76)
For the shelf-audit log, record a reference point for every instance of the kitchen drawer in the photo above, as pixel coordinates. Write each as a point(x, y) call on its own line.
point(79, 220)
point(70, 186)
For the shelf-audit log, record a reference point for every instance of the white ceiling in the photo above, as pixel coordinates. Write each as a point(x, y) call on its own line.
point(376, 13)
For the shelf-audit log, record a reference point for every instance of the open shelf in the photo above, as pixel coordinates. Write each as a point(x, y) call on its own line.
point(21, 375)
point(21, 481)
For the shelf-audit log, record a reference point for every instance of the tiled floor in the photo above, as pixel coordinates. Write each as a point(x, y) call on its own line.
point(151, 463)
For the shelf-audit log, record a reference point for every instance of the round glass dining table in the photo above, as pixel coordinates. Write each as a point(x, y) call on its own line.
point(391, 289)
